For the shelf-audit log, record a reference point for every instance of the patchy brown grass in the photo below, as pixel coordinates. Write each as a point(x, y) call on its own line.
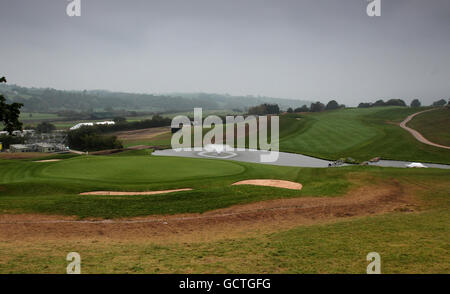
point(22, 155)
point(235, 221)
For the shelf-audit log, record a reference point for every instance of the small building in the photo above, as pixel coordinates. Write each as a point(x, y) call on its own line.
point(28, 132)
point(20, 148)
point(45, 147)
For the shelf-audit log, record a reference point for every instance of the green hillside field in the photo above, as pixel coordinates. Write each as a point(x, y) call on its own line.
point(433, 125)
point(361, 133)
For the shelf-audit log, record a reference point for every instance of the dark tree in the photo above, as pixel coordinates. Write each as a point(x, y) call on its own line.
point(89, 139)
point(317, 107)
point(304, 108)
point(441, 102)
point(9, 113)
point(415, 103)
point(120, 119)
point(45, 127)
point(395, 102)
point(290, 110)
point(264, 109)
point(365, 105)
point(379, 103)
point(332, 105)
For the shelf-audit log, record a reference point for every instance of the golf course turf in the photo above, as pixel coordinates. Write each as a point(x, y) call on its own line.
point(329, 226)
point(362, 134)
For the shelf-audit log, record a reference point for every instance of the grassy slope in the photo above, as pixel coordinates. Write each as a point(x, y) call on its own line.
point(358, 133)
point(433, 125)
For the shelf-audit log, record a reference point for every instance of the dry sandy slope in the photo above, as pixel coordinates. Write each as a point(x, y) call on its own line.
point(239, 220)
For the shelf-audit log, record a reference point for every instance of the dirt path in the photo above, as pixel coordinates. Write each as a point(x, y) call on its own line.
point(235, 221)
point(418, 135)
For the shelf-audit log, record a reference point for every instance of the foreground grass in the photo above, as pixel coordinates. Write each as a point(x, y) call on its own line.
point(433, 125)
point(415, 242)
point(407, 243)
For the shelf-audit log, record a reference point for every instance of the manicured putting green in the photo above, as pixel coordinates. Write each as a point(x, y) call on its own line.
point(140, 169)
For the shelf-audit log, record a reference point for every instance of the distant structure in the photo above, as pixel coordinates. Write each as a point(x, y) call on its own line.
point(38, 142)
point(18, 133)
point(90, 124)
point(38, 147)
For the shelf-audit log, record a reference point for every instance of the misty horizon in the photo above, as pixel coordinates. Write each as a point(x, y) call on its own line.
point(302, 50)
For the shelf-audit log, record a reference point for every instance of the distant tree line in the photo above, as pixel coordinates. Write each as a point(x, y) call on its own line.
point(89, 139)
point(94, 138)
point(317, 107)
point(121, 124)
point(400, 102)
point(264, 109)
point(89, 102)
point(390, 102)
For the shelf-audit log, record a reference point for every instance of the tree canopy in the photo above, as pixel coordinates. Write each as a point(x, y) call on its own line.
point(9, 113)
point(415, 103)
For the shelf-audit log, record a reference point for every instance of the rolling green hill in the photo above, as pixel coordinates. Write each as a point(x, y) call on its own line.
point(361, 133)
point(433, 125)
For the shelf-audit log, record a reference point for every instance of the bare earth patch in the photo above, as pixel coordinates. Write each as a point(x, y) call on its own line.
point(236, 221)
point(21, 155)
point(118, 193)
point(142, 134)
point(48, 160)
point(272, 183)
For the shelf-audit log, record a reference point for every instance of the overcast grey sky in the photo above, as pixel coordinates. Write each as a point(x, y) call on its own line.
point(301, 49)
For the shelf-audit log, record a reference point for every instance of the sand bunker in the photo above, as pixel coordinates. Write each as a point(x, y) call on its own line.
point(118, 193)
point(48, 160)
point(272, 183)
